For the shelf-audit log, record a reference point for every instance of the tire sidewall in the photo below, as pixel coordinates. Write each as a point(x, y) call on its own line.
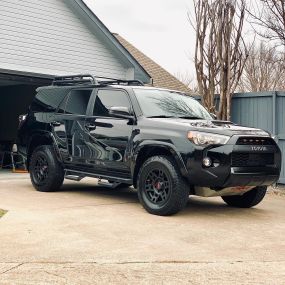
point(247, 200)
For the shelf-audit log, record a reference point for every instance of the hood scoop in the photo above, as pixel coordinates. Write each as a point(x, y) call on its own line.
point(228, 128)
point(212, 124)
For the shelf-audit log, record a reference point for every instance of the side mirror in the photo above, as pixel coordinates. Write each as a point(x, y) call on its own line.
point(120, 112)
point(214, 116)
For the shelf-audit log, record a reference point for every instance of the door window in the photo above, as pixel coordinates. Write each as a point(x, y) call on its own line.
point(106, 99)
point(78, 101)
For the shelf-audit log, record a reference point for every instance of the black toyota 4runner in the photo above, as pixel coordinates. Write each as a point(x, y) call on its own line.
point(162, 142)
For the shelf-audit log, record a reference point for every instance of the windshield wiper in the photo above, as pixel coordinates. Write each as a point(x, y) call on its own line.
point(191, 117)
point(160, 116)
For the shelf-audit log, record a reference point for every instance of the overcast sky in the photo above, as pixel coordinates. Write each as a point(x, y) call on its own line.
point(159, 28)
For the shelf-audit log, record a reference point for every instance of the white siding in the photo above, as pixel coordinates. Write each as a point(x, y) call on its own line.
point(48, 37)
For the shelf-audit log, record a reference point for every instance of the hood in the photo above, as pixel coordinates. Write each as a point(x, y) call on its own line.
point(227, 128)
point(213, 126)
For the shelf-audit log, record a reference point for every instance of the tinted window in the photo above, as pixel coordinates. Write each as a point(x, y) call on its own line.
point(77, 102)
point(61, 106)
point(47, 100)
point(110, 98)
point(157, 102)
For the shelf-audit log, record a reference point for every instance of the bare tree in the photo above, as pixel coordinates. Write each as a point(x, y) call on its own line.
point(188, 80)
point(270, 16)
point(178, 107)
point(264, 70)
point(220, 52)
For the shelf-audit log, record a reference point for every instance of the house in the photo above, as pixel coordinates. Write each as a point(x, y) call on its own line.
point(41, 39)
point(160, 77)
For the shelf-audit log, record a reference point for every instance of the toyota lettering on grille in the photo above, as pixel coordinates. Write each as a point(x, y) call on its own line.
point(259, 148)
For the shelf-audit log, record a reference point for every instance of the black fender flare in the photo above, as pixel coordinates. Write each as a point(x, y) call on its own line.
point(49, 136)
point(168, 146)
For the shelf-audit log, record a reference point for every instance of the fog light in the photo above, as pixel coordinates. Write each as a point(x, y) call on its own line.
point(207, 161)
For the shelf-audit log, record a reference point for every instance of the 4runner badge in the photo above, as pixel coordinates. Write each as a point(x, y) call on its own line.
point(259, 148)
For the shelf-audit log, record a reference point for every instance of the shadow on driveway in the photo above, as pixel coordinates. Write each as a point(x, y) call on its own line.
point(195, 206)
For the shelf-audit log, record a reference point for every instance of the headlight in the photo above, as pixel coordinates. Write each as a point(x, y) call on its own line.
point(200, 138)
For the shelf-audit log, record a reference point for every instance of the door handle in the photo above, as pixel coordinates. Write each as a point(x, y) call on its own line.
point(90, 127)
point(56, 124)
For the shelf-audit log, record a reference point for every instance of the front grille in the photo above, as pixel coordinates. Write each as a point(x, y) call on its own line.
point(255, 141)
point(252, 159)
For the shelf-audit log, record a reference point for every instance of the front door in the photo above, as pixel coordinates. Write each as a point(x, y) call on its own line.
point(108, 136)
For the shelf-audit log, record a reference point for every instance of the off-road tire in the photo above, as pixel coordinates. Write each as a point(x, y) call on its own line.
point(178, 188)
point(247, 200)
point(54, 175)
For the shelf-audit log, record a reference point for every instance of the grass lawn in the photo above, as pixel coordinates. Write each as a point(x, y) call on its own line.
point(2, 213)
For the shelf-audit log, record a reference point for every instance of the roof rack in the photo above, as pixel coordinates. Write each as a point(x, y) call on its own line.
point(90, 79)
point(112, 81)
point(74, 80)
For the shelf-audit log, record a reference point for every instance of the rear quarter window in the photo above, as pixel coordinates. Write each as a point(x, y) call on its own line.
point(47, 100)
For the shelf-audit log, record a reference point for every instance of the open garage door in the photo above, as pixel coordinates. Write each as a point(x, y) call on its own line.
point(16, 94)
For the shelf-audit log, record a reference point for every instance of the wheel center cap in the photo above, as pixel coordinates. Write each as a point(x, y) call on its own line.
point(158, 185)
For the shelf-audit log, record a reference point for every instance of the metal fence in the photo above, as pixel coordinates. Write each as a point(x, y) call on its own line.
point(264, 110)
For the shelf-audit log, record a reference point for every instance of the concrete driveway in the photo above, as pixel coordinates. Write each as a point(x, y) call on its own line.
point(86, 234)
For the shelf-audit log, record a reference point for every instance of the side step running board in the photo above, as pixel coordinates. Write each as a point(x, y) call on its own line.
point(77, 175)
point(73, 177)
point(108, 184)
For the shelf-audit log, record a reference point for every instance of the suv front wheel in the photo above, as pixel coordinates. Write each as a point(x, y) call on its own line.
point(161, 188)
point(46, 173)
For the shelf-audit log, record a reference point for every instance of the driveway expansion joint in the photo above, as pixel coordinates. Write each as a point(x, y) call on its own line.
point(136, 262)
point(12, 268)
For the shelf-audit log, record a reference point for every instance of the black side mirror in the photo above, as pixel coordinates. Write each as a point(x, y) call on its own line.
point(214, 116)
point(120, 112)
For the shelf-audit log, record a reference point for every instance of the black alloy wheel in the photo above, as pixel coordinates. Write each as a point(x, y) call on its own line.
point(40, 170)
point(157, 186)
point(161, 188)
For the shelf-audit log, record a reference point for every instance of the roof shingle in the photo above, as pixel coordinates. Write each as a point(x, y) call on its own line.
point(161, 78)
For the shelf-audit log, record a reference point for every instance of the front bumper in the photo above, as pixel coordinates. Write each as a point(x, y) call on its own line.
point(226, 173)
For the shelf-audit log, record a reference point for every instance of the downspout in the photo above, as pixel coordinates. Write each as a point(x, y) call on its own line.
point(274, 127)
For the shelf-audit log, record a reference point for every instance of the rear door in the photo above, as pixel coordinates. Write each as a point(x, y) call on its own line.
point(109, 137)
point(71, 120)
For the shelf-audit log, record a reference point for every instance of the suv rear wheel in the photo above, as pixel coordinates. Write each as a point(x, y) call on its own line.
point(161, 188)
point(46, 173)
point(248, 199)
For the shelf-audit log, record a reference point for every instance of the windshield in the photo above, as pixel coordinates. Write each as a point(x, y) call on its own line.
point(162, 103)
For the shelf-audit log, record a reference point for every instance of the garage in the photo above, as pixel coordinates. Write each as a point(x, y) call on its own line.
point(40, 40)
point(17, 93)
